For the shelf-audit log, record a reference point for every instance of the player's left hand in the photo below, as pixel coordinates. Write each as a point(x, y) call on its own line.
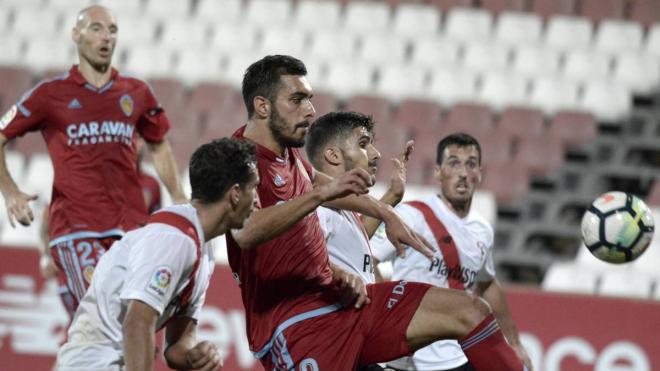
point(522, 354)
point(352, 288)
point(398, 179)
point(400, 234)
point(204, 357)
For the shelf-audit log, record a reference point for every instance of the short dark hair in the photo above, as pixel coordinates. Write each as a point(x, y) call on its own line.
point(333, 127)
point(262, 78)
point(459, 139)
point(217, 166)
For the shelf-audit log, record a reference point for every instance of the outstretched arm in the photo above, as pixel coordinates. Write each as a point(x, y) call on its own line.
point(16, 202)
point(165, 164)
point(394, 193)
point(270, 222)
point(492, 292)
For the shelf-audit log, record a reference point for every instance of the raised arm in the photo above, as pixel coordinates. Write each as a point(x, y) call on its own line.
point(270, 222)
point(16, 201)
point(165, 164)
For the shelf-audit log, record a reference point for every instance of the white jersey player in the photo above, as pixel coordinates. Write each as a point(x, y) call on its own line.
point(464, 242)
point(156, 276)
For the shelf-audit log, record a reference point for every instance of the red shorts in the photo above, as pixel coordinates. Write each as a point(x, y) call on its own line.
point(76, 260)
point(346, 338)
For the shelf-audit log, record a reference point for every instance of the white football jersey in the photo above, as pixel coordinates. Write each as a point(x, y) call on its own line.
point(152, 264)
point(348, 244)
point(473, 238)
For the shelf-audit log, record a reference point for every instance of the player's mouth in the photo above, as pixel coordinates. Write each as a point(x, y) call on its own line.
point(373, 167)
point(462, 187)
point(105, 51)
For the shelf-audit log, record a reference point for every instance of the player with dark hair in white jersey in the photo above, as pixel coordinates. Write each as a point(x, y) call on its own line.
point(464, 256)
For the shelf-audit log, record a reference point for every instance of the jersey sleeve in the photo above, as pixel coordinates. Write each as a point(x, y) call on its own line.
point(325, 219)
point(153, 123)
point(27, 114)
point(158, 265)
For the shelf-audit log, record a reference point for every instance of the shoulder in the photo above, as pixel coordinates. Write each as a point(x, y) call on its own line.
point(479, 222)
point(46, 85)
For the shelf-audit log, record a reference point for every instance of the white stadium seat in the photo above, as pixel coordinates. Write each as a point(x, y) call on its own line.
point(639, 72)
point(397, 82)
point(432, 52)
point(332, 46)
point(363, 17)
point(34, 23)
point(282, 41)
point(652, 41)
point(268, 12)
point(195, 66)
point(607, 101)
point(566, 32)
point(347, 79)
point(15, 165)
point(629, 284)
point(183, 33)
point(468, 24)
point(39, 177)
point(415, 20)
point(377, 48)
point(615, 36)
point(219, 12)
point(149, 61)
point(12, 50)
point(136, 30)
point(231, 38)
point(41, 56)
point(514, 28)
point(535, 61)
point(486, 57)
point(501, 90)
point(552, 95)
point(450, 86)
point(317, 14)
point(168, 10)
point(585, 65)
point(570, 277)
point(650, 261)
point(236, 66)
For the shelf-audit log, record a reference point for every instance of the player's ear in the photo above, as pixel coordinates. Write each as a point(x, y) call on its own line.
point(234, 195)
point(437, 172)
point(75, 35)
point(332, 155)
point(262, 106)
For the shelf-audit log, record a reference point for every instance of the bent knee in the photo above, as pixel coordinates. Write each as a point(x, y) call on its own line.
point(472, 316)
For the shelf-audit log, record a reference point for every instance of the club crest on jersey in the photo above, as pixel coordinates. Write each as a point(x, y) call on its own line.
point(126, 104)
point(278, 180)
point(160, 280)
point(6, 119)
point(89, 273)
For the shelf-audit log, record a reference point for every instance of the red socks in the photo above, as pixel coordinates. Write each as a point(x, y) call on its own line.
point(487, 349)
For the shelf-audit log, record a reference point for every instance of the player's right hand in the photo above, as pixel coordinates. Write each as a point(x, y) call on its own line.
point(18, 207)
point(204, 357)
point(356, 181)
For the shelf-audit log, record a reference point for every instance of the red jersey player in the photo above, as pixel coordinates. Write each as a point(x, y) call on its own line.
point(90, 118)
point(280, 260)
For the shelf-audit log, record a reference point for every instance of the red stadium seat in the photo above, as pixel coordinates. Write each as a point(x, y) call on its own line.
point(169, 92)
point(324, 102)
point(539, 156)
point(496, 150)
point(497, 6)
point(207, 98)
point(549, 8)
point(223, 124)
point(418, 116)
point(645, 12)
point(520, 123)
point(14, 82)
point(379, 108)
point(446, 5)
point(573, 129)
point(597, 10)
point(390, 142)
point(507, 182)
point(474, 119)
point(653, 198)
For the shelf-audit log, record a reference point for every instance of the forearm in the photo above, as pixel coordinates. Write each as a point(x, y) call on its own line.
point(175, 354)
point(166, 168)
point(371, 224)
point(364, 204)
point(494, 295)
point(7, 184)
point(270, 222)
point(139, 345)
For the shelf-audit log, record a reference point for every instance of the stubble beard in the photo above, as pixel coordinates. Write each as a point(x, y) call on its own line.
point(277, 126)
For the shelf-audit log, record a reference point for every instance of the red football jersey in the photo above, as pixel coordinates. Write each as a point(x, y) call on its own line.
point(289, 274)
point(91, 138)
point(150, 191)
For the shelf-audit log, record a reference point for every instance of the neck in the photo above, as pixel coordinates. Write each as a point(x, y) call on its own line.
point(213, 218)
point(333, 171)
point(94, 76)
point(461, 209)
point(259, 132)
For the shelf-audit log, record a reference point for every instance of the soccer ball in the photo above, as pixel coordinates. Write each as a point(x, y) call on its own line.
point(618, 227)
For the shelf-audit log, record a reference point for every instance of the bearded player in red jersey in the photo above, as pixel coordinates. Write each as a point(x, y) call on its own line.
point(90, 118)
point(279, 258)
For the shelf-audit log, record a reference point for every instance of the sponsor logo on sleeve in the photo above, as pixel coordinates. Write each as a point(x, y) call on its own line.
point(6, 119)
point(126, 104)
point(160, 280)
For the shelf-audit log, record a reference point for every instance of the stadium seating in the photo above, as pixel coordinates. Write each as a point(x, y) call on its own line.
point(316, 14)
point(449, 87)
point(534, 61)
point(467, 24)
point(357, 12)
point(412, 20)
point(220, 12)
point(568, 32)
point(552, 95)
point(271, 12)
point(520, 123)
point(433, 52)
point(397, 82)
point(549, 8)
point(569, 277)
point(598, 10)
point(516, 28)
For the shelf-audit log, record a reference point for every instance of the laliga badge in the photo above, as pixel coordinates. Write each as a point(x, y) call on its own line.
point(279, 181)
point(126, 104)
point(6, 119)
point(160, 281)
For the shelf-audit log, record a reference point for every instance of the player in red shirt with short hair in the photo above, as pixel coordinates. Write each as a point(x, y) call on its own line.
point(90, 118)
point(295, 316)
